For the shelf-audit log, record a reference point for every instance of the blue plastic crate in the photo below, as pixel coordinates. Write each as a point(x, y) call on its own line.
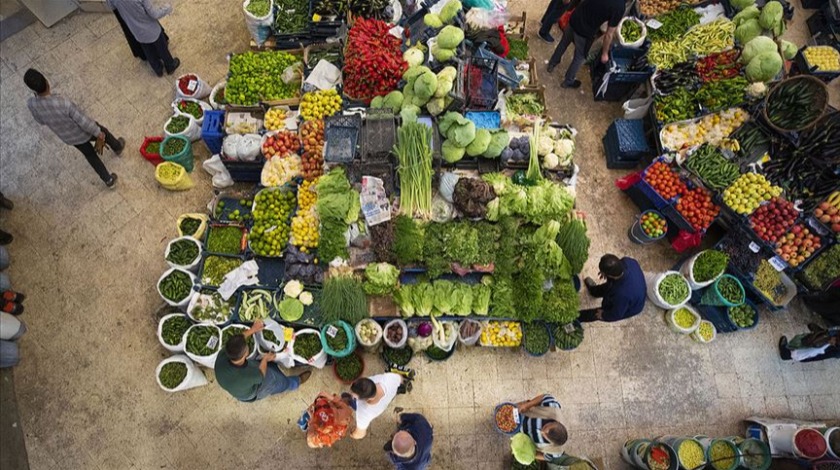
point(614, 159)
point(629, 134)
point(485, 119)
point(506, 69)
point(213, 130)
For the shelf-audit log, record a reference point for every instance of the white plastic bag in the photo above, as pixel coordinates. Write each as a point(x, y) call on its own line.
point(219, 172)
point(195, 377)
point(636, 108)
point(672, 323)
point(193, 266)
point(248, 147)
point(192, 131)
point(469, 340)
point(200, 88)
point(448, 181)
point(204, 298)
point(687, 270)
point(319, 360)
point(653, 281)
point(177, 348)
point(279, 332)
point(182, 303)
point(259, 27)
point(204, 106)
point(404, 328)
point(377, 339)
point(206, 361)
point(244, 328)
point(446, 340)
point(10, 327)
point(212, 97)
point(230, 146)
point(637, 43)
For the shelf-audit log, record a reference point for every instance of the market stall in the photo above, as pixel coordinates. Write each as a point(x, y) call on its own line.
point(411, 195)
point(746, 159)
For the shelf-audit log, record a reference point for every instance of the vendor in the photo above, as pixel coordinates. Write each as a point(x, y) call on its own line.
point(817, 345)
point(250, 380)
point(373, 395)
point(623, 291)
point(541, 422)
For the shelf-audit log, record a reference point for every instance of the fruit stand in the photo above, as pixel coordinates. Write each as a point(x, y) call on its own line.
point(424, 204)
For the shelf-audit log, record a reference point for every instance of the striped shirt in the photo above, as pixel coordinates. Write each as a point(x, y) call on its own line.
point(141, 17)
point(533, 426)
point(64, 118)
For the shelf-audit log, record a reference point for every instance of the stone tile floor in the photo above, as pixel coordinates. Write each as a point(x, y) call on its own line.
point(88, 258)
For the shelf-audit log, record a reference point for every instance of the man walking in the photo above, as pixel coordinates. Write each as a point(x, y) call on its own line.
point(141, 17)
point(552, 14)
point(71, 124)
point(584, 25)
point(410, 448)
point(373, 395)
point(250, 380)
point(623, 292)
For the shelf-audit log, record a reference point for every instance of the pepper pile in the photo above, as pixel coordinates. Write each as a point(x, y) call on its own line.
point(373, 62)
point(718, 66)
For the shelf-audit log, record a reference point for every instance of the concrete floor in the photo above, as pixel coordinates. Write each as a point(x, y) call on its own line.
point(88, 258)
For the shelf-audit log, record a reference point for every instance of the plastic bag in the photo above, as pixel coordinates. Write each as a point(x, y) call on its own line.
point(10, 327)
point(687, 270)
point(293, 73)
point(653, 281)
point(173, 177)
point(370, 345)
point(248, 147)
point(195, 377)
point(199, 232)
point(186, 300)
point(442, 211)
point(206, 361)
point(201, 89)
point(192, 131)
point(279, 333)
point(446, 340)
point(259, 27)
point(204, 106)
point(176, 348)
point(403, 338)
point(636, 108)
point(447, 185)
point(319, 360)
point(212, 97)
point(221, 175)
point(230, 146)
point(634, 44)
point(193, 266)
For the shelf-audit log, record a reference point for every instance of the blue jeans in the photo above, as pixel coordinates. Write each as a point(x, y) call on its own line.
point(9, 354)
point(276, 382)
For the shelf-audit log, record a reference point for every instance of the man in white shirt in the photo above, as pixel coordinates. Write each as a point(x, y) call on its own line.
point(373, 395)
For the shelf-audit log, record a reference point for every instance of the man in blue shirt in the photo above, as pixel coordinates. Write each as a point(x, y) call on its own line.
point(623, 292)
point(411, 446)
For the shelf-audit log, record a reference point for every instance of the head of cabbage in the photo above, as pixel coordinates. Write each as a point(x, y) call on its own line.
point(771, 18)
point(755, 47)
point(764, 67)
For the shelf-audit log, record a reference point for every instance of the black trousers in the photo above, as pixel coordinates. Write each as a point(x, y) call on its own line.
point(600, 290)
point(93, 158)
point(552, 14)
point(582, 46)
point(158, 56)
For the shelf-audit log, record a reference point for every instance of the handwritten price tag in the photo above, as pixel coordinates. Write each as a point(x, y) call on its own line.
point(332, 331)
point(754, 247)
point(212, 342)
point(778, 263)
point(652, 23)
point(569, 328)
point(192, 85)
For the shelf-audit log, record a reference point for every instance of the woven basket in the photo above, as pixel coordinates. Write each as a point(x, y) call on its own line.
point(821, 101)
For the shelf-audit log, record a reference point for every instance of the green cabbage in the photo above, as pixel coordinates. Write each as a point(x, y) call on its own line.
point(381, 278)
point(764, 67)
point(747, 31)
point(742, 4)
point(450, 37)
point(789, 49)
point(771, 17)
point(444, 86)
point(376, 102)
point(461, 133)
point(436, 106)
point(498, 141)
point(749, 13)
point(450, 152)
point(448, 73)
point(523, 448)
point(415, 71)
point(447, 120)
point(480, 143)
point(448, 12)
point(425, 85)
point(393, 100)
point(755, 47)
point(433, 21)
point(442, 54)
point(409, 113)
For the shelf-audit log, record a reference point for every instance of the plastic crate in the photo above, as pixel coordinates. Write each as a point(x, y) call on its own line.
point(378, 135)
point(806, 68)
point(244, 172)
point(482, 83)
point(615, 161)
point(292, 36)
point(629, 136)
point(458, 93)
point(506, 68)
point(493, 119)
point(213, 130)
point(341, 135)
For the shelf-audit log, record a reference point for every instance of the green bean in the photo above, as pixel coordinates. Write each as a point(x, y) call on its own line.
point(172, 374)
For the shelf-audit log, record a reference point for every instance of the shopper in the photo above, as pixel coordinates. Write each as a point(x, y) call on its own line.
point(327, 419)
point(623, 291)
point(141, 17)
point(248, 379)
point(584, 25)
point(71, 124)
point(817, 345)
point(373, 395)
point(541, 422)
point(552, 14)
point(410, 448)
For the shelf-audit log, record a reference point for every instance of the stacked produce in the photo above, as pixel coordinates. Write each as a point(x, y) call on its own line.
point(771, 221)
point(679, 105)
point(256, 305)
point(709, 265)
point(193, 108)
point(798, 245)
point(718, 66)
point(743, 316)
point(674, 289)
point(415, 169)
point(203, 340)
point(209, 307)
point(172, 374)
point(651, 8)
point(823, 269)
point(506, 334)
point(258, 76)
point(349, 368)
point(568, 336)
point(524, 104)
point(828, 212)
point(312, 139)
point(381, 279)
point(445, 44)
point(631, 30)
point(795, 104)
point(722, 93)
point(183, 252)
point(712, 167)
point(270, 232)
point(373, 63)
point(711, 128)
point(225, 239)
point(822, 58)
point(665, 180)
point(685, 318)
point(704, 39)
point(343, 297)
point(317, 105)
point(176, 125)
point(653, 224)
point(173, 329)
point(305, 224)
point(535, 338)
point(292, 16)
point(696, 206)
point(307, 345)
point(279, 170)
point(680, 76)
point(215, 269)
point(769, 282)
point(748, 192)
point(337, 207)
point(281, 144)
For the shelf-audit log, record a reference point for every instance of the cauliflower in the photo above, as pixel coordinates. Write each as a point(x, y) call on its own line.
point(544, 146)
point(551, 161)
point(305, 298)
point(293, 289)
point(564, 148)
point(756, 90)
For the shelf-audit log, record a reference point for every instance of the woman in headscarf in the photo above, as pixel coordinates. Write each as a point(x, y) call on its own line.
point(329, 418)
point(541, 422)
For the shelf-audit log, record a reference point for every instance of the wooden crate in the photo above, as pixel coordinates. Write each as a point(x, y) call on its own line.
point(515, 27)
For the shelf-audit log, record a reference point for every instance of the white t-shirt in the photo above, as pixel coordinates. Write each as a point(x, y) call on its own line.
point(365, 412)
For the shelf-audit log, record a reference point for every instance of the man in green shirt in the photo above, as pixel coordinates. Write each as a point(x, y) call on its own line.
point(248, 379)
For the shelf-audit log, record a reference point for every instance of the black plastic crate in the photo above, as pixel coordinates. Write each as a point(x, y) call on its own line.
point(629, 135)
point(482, 83)
point(803, 66)
point(244, 172)
point(301, 34)
point(378, 135)
point(615, 161)
point(341, 136)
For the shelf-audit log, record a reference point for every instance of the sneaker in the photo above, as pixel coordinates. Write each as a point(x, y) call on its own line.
point(813, 327)
point(12, 308)
point(304, 376)
point(550, 68)
point(122, 147)
point(546, 36)
point(176, 62)
point(574, 84)
point(784, 352)
point(112, 183)
point(12, 296)
point(5, 237)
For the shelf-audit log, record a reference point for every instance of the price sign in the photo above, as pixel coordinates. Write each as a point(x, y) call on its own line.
point(515, 415)
point(288, 334)
point(778, 263)
point(652, 23)
point(754, 247)
point(332, 331)
point(569, 328)
point(212, 342)
point(192, 85)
